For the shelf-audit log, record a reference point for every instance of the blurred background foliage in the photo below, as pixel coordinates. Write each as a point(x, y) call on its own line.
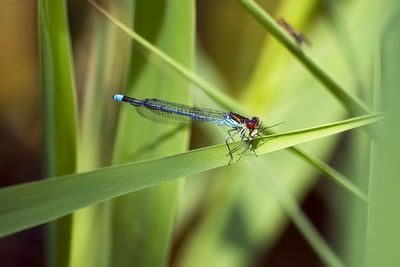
point(223, 217)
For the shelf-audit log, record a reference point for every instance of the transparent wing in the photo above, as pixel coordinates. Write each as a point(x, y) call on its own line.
point(162, 111)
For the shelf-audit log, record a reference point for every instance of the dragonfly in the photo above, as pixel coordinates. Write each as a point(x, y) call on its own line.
point(166, 112)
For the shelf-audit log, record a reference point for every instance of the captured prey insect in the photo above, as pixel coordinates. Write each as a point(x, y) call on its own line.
point(178, 114)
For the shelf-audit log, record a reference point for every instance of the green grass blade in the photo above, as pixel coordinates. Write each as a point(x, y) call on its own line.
point(159, 57)
point(288, 203)
point(59, 107)
point(229, 103)
point(168, 25)
point(39, 202)
point(331, 173)
point(223, 100)
point(383, 217)
point(273, 60)
point(59, 113)
point(91, 237)
point(234, 227)
point(293, 138)
point(352, 103)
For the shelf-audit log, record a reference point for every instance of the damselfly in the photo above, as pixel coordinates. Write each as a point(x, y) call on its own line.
point(178, 114)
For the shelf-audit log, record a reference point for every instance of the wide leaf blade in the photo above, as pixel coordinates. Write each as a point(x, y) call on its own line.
point(34, 203)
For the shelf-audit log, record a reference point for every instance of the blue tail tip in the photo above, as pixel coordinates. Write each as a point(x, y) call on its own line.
point(118, 97)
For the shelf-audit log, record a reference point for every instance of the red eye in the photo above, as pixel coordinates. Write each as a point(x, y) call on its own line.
point(250, 125)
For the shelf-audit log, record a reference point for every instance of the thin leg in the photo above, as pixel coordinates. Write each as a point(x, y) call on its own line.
point(243, 134)
point(237, 148)
point(254, 151)
point(231, 130)
point(231, 137)
point(247, 144)
point(244, 142)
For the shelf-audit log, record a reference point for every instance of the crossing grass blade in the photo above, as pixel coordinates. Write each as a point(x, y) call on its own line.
point(91, 237)
point(59, 113)
point(289, 205)
point(226, 101)
point(161, 58)
point(331, 173)
point(168, 25)
point(352, 103)
point(35, 203)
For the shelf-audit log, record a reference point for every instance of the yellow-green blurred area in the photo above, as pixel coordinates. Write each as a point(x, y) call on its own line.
point(228, 216)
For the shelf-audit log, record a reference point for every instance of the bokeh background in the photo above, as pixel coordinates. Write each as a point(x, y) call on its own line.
point(224, 218)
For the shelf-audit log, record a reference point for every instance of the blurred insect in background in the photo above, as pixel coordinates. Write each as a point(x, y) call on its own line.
point(297, 35)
